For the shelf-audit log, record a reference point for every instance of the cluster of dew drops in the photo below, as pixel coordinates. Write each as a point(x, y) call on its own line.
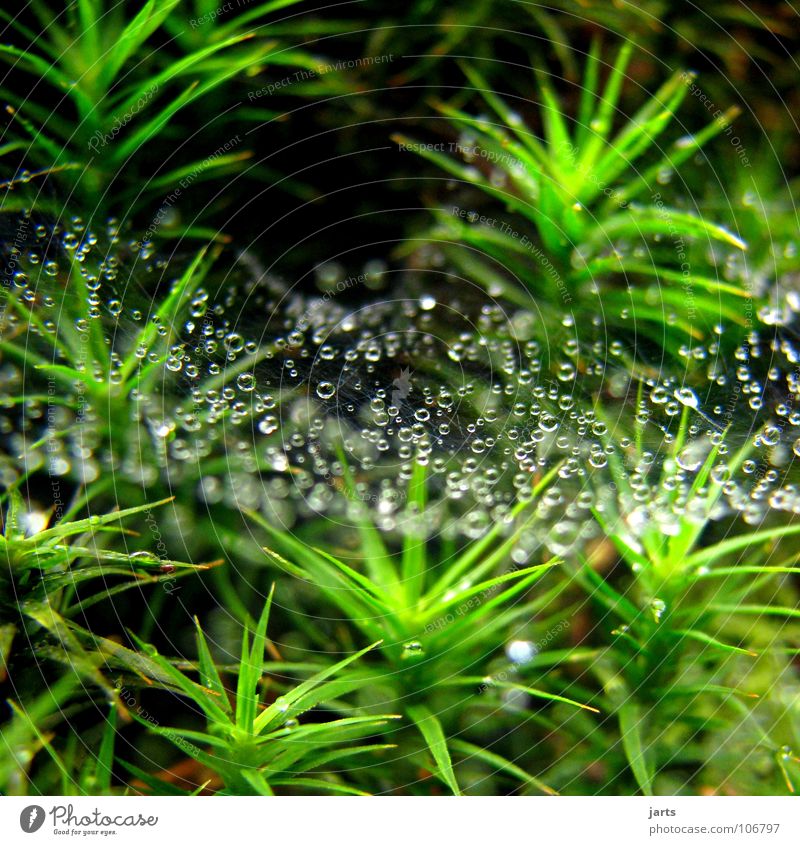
point(298, 404)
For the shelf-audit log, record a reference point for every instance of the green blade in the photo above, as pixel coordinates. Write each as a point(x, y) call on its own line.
point(431, 730)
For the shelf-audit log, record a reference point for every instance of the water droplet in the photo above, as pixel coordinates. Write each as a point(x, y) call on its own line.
point(246, 382)
point(658, 608)
point(412, 649)
point(326, 390)
point(521, 652)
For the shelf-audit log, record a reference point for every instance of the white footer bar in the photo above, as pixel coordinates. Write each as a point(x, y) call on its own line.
point(402, 821)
